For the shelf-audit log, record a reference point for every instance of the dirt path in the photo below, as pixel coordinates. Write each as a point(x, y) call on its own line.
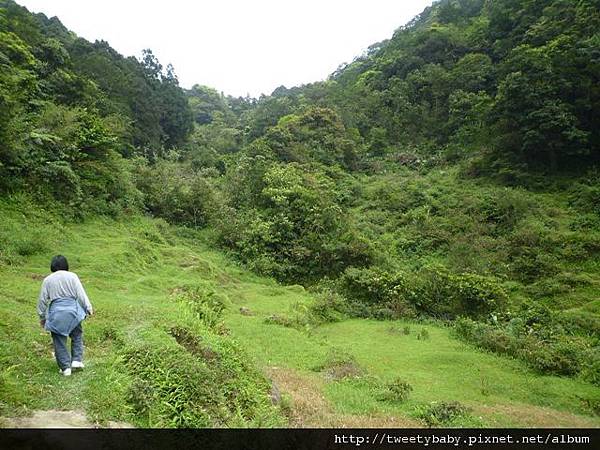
point(538, 416)
point(57, 419)
point(310, 408)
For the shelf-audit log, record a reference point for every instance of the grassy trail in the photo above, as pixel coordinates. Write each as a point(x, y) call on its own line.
point(131, 271)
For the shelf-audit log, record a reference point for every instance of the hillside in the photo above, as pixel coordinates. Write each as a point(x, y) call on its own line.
point(159, 352)
point(412, 242)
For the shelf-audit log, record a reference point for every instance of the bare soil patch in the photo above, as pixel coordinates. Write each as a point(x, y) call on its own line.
point(538, 416)
point(57, 419)
point(311, 409)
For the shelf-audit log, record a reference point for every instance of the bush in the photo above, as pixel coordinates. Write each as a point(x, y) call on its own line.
point(432, 291)
point(586, 197)
point(531, 252)
point(579, 323)
point(201, 378)
point(377, 293)
point(536, 342)
point(446, 295)
point(176, 192)
point(485, 336)
point(371, 286)
point(592, 405)
point(328, 306)
point(443, 413)
point(173, 388)
point(505, 208)
point(340, 364)
point(74, 158)
point(590, 371)
point(107, 186)
point(205, 303)
point(423, 335)
point(563, 358)
point(285, 221)
point(398, 390)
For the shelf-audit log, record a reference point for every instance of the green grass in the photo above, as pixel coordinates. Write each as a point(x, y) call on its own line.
point(440, 368)
point(131, 269)
point(130, 276)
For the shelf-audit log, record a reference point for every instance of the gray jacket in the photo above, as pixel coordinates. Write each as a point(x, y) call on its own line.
point(62, 284)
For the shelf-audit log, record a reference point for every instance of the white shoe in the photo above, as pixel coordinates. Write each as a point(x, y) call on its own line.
point(65, 372)
point(77, 365)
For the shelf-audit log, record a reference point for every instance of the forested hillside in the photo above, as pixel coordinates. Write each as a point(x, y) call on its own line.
point(72, 111)
point(448, 174)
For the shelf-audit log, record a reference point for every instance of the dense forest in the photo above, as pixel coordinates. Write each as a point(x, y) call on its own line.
point(448, 173)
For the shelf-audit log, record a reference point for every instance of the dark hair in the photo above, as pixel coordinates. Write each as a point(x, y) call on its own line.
point(59, 262)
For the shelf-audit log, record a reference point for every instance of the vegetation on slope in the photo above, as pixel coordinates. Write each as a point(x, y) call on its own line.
point(182, 337)
point(157, 352)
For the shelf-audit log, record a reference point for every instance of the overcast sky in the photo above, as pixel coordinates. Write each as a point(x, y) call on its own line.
point(238, 47)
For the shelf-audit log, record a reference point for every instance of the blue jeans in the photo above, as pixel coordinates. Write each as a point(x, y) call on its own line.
point(61, 352)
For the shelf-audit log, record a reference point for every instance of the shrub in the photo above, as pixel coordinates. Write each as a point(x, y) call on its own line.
point(443, 413)
point(173, 387)
point(340, 364)
point(328, 306)
point(485, 336)
point(586, 197)
point(530, 251)
point(591, 404)
point(26, 229)
point(201, 378)
point(503, 209)
point(285, 221)
point(433, 291)
point(541, 347)
point(585, 222)
point(370, 286)
point(398, 390)
point(108, 187)
point(579, 323)
point(66, 184)
point(205, 303)
point(446, 295)
point(590, 371)
point(423, 335)
point(375, 292)
point(477, 295)
point(563, 358)
point(175, 192)
point(278, 319)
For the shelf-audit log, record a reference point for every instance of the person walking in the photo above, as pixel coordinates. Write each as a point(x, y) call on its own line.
point(62, 307)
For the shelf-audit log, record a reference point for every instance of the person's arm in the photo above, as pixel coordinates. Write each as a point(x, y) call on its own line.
point(42, 305)
point(82, 298)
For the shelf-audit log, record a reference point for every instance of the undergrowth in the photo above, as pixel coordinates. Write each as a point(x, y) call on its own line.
point(201, 377)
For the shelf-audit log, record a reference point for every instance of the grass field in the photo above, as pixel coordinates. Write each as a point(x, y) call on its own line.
point(133, 271)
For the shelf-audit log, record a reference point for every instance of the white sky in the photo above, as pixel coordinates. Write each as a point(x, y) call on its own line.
point(238, 47)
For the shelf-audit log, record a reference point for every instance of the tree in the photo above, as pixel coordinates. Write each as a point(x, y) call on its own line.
point(534, 120)
point(205, 102)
